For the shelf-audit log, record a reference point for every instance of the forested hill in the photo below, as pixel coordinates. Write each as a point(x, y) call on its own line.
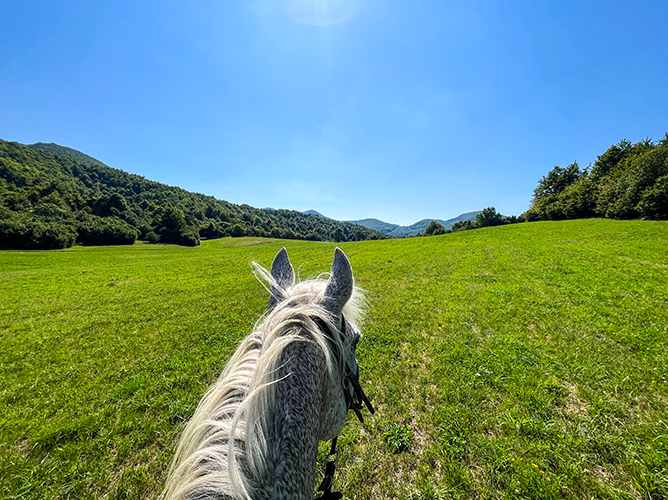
point(54, 197)
point(67, 152)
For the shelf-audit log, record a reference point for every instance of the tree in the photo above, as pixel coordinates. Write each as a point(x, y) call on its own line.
point(556, 181)
point(654, 203)
point(152, 237)
point(463, 225)
point(489, 217)
point(434, 229)
point(104, 206)
point(609, 160)
point(238, 231)
point(25, 231)
point(627, 181)
point(106, 231)
point(173, 228)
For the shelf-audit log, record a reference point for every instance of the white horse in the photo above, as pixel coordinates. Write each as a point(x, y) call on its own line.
point(288, 386)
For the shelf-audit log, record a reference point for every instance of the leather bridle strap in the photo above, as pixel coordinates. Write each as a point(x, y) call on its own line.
point(355, 400)
point(355, 397)
point(330, 469)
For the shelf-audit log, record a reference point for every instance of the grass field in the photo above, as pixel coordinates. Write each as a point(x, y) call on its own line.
point(523, 361)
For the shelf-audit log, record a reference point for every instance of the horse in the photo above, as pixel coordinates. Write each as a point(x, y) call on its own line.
point(288, 386)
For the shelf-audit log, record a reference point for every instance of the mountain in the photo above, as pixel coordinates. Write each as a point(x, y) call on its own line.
point(53, 197)
point(397, 231)
point(378, 225)
point(66, 152)
point(313, 212)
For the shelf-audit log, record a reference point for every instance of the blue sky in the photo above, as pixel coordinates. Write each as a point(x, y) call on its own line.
point(355, 108)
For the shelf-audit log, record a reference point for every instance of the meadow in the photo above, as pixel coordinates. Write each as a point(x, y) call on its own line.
point(521, 361)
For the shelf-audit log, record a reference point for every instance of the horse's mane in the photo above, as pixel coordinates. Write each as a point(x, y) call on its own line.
point(220, 454)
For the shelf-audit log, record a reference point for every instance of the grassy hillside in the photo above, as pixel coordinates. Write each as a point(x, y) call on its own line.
point(521, 361)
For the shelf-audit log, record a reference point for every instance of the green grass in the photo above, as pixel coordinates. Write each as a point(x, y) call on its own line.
point(523, 361)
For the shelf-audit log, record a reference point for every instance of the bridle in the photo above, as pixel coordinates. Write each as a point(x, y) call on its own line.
point(355, 398)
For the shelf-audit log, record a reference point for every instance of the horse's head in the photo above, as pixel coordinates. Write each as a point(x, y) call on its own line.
point(333, 297)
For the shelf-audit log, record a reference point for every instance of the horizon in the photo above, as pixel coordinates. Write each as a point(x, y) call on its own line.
point(354, 108)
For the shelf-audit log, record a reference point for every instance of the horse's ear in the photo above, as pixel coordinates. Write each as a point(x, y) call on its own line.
point(284, 277)
point(341, 282)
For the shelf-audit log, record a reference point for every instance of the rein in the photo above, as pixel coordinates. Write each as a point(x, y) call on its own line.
point(356, 399)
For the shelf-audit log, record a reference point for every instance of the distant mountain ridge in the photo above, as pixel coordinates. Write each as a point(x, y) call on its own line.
point(378, 225)
point(397, 231)
point(314, 212)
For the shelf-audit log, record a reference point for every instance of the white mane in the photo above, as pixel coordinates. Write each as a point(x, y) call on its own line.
point(223, 451)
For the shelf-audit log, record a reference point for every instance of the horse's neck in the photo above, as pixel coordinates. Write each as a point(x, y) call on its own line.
point(296, 424)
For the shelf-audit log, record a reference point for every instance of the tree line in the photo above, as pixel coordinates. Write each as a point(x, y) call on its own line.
point(487, 218)
point(628, 181)
point(50, 200)
point(54, 197)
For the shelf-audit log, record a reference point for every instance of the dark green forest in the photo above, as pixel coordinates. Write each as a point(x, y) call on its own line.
point(55, 197)
point(628, 181)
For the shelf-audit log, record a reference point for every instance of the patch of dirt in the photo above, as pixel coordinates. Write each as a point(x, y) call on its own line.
point(22, 446)
point(249, 243)
point(617, 479)
point(640, 407)
point(575, 405)
point(420, 437)
point(119, 283)
point(655, 265)
point(600, 474)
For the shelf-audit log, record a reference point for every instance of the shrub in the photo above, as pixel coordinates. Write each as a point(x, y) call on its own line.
point(188, 239)
point(24, 232)
point(489, 217)
point(106, 231)
point(212, 230)
point(152, 237)
point(399, 437)
point(238, 231)
point(654, 203)
point(434, 228)
point(463, 225)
